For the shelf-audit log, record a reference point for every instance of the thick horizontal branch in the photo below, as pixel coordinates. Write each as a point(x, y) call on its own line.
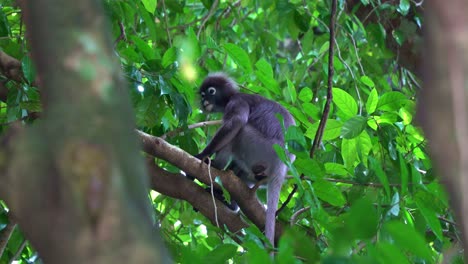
point(241, 193)
point(178, 186)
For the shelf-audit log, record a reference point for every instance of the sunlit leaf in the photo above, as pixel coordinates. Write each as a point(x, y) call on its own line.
point(290, 92)
point(305, 95)
point(332, 130)
point(170, 56)
point(239, 55)
point(335, 168)
point(367, 81)
point(391, 101)
point(150, 5)
point(345, 102)
point(372, 101)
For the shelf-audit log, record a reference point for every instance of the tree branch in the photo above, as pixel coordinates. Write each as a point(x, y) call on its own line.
point(243, 195)
point(178, 186)
point(326, 109)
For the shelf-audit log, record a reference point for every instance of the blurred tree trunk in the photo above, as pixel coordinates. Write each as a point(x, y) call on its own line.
point(75, 181)
point(443, 108)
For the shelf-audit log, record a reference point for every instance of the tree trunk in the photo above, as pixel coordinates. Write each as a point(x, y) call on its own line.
point(75, 180)
point(443, 108)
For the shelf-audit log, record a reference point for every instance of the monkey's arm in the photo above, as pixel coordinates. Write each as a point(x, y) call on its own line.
point(236, 115)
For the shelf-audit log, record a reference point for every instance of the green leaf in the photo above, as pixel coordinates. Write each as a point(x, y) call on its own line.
point(309, 167)
point(264, 67)
point(28, 69)
point(295, 134)
point(239, 56)
point(324, 47)
point(406, 115)
point(4, 25)
point(149, 22)
point(426, 207)
point(328, 192)
point(34, 106)
point(305, 95)
point(170, 56)
point(389, 253)
point(302, 20)
point(362, 227)
point(256, 253)
point(150, 5)
point(404, 174)
point(221, 254)
point(372, 101)
point(291, 93)
point(349, 152)
point(406, 238)
point(311, 110)
point(364, 146)
point(391, 101)
point(395, 204)
point(332, 130)
point(148, 111)
point(367, 81)
point(404, 7)
point(264, 73)
point(377, 168)
point(345, 102)
point(142, 46)
point(299, 242)
point(280, 152)
point(336, 169)
point(353, 127)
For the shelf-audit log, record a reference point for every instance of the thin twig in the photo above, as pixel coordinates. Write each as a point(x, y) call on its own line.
point(326, 110)
point(207, 17)
point(287, 200)
point(122, 36)
point(166, 24)
point(212, 193)
point(352, 75)
point(296, 214)
point(193, 126)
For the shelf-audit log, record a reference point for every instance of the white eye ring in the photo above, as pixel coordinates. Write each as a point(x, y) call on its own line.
point(212, 90)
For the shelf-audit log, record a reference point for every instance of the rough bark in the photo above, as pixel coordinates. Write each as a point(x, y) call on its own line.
point(78, 169)
point(241, 193)
point(443, 107)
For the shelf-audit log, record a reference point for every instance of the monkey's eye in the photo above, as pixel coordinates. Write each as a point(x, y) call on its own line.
point(212, 90)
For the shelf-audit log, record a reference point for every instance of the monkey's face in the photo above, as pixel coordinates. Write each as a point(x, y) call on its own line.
point(208, 99)
point(215, 92)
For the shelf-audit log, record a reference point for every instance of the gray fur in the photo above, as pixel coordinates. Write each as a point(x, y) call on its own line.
point(250, 128)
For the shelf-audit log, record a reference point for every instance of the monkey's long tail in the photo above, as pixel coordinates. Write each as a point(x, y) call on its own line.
point(273, 193)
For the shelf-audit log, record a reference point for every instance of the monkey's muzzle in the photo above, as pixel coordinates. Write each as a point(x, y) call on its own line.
point(207, 106)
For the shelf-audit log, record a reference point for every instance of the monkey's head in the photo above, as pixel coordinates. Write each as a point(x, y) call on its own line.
point(215, 92)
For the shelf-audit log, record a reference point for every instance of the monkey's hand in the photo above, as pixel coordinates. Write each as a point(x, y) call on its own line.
point(201, 156)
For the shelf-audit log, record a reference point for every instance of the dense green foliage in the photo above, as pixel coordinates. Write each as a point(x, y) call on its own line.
point(368, 196)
